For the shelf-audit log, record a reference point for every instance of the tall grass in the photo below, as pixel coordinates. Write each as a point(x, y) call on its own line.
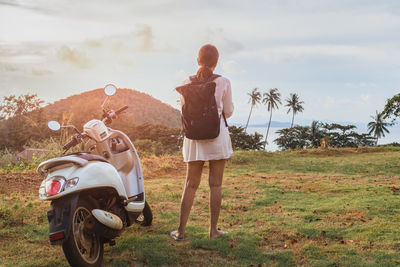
point(10, 162)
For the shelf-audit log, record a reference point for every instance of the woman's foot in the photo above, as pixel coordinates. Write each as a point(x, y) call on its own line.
point(177, 236)
point(217, 233)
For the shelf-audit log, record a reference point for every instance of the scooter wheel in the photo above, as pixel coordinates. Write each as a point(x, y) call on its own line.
point(146, 217)
point(83, 248)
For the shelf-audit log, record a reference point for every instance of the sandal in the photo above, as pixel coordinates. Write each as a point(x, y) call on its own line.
point(172, 234)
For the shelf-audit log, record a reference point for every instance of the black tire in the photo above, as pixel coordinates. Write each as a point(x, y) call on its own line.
point(79, 242)
point(146, 217)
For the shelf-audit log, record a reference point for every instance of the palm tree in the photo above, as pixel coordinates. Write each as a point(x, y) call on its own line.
point(295, 105)
point(378, 126)
point(316, 134)
point(255, 98)
point(271, 99)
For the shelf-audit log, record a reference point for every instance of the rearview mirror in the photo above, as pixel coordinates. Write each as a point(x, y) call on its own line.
point(54, 125)
point(110, 89)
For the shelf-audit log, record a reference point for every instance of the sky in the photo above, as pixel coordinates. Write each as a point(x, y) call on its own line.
point(341, 57)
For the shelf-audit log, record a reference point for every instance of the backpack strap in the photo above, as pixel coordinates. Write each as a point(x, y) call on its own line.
point(193, 78)
point(213, 77)
point(226, 123)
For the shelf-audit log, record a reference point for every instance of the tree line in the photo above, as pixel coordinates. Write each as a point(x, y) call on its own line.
point(272, 100)
point(337, 135)
point(22, 120)
point(23, 124)
point(310, 136)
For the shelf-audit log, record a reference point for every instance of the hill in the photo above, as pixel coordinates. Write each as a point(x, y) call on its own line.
point(143, 108)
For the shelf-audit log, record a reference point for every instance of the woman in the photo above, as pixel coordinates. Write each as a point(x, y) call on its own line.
point(216, 151)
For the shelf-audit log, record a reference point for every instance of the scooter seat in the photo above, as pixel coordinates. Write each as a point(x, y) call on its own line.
point(88, 156)
point(81, 159)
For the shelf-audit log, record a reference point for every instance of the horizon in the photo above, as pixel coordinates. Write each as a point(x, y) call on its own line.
point(341, 58)
point(260, 123)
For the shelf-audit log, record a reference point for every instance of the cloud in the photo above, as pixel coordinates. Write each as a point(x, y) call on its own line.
point(40, 72)
point(365, 98)
point(31, 5)
point(8, 67)
point(22, 69)
point(140, 39)
point(232, 67)
point(145, 38)
point(360, 85)
point(218, 38)
point(94, 43)
point(75, 57)
point(279, 57)
point(279, 53)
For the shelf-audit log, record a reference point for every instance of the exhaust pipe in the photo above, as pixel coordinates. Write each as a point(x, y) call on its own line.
point(108, 219)
point(104, 223)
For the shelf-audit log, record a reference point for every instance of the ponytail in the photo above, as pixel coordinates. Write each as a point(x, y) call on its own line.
point(204, 73)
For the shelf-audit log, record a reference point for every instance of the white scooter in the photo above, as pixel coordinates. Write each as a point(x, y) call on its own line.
point(95, 194)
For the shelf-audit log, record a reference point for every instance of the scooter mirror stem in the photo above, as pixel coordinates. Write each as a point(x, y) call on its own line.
point(104, 102)
point(109, 90)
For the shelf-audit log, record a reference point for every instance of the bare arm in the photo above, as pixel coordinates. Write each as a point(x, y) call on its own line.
point(227, 101)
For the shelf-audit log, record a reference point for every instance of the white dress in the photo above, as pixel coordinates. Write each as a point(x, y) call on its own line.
point(220, 147)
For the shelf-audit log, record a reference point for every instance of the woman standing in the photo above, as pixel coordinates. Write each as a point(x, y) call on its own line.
point(216, 151)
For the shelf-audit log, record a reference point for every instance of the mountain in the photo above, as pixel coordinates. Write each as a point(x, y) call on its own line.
point(143, 108)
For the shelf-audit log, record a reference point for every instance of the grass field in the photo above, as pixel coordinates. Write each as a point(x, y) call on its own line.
point(310, 208)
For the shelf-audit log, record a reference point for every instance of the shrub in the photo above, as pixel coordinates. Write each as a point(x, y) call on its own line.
point(146, 147)
point(242, 140)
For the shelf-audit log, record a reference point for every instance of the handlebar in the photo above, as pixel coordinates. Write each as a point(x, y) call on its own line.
point(121, 109)
point(108, 116)
point(76, 139)
point(70, 144)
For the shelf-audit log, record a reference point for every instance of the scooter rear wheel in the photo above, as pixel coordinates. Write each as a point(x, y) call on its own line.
point(83, 248)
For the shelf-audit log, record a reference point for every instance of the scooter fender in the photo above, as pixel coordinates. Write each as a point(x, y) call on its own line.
point(94, 175)
point(60, 218)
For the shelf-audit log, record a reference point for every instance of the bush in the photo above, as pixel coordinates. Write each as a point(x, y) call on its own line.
point(52, 146)
point(300, 137)
point(146, 147)
point(242, 140)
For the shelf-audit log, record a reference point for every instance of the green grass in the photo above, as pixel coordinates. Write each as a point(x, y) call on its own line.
point(313, 208)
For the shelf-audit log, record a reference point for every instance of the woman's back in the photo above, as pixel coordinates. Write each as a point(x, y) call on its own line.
point(220, 147)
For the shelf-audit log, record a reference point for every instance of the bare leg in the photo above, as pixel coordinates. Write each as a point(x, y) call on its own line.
point(193, 176)
point(215, 182)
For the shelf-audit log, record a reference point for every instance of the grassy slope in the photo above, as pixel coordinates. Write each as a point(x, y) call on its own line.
point(310, 208)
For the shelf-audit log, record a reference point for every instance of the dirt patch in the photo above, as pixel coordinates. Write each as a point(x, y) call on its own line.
point(154, 167)
point(23, 182)
point(29, 181)
point(346, 217)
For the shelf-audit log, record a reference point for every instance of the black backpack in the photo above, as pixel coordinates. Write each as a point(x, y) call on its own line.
point(200, 119)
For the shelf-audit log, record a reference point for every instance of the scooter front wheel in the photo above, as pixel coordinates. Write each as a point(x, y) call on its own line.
point(83, 247)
